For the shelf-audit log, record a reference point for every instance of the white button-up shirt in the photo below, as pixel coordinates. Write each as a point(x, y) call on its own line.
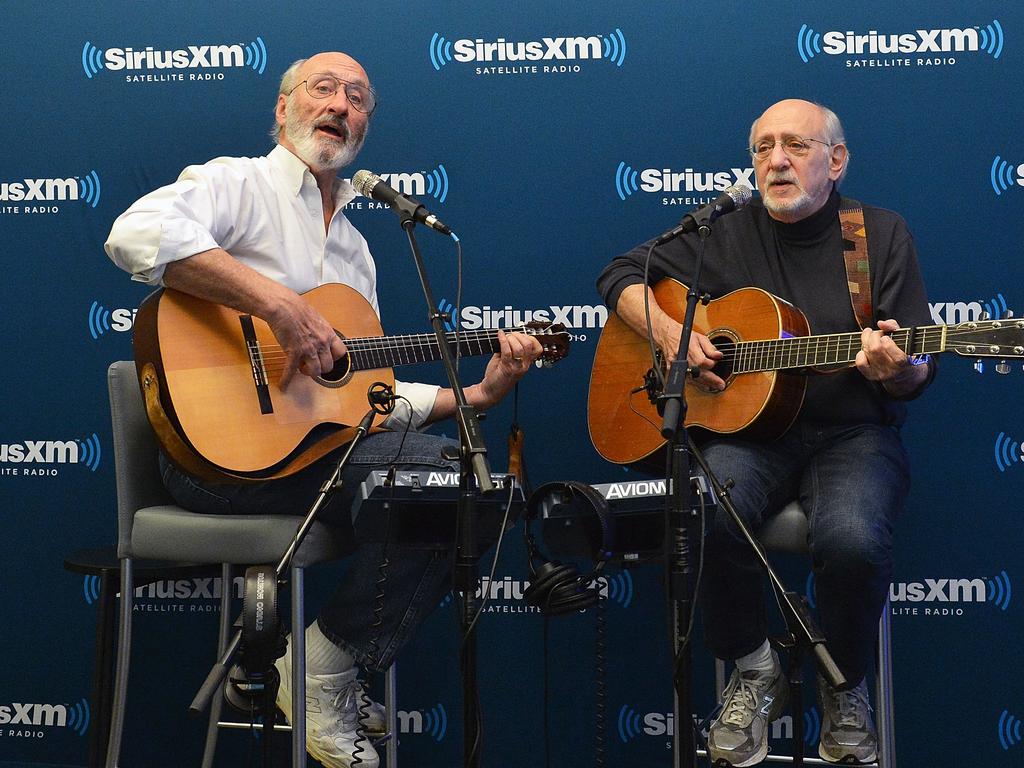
point(267, 213)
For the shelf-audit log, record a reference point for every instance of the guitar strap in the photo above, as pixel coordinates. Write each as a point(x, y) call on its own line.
point(858, 271)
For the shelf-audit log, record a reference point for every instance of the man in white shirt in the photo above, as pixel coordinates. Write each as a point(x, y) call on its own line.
point(253, 234)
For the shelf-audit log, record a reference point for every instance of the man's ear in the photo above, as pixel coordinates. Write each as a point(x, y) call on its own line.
point(838, 159)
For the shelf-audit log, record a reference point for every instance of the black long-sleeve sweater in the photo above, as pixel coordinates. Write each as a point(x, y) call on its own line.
point(803, 264)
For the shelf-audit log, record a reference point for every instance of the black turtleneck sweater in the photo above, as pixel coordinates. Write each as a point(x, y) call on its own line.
point(803, 264)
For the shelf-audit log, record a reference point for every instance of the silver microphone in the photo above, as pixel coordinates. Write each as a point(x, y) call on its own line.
point(374, 187)
point(731, 199)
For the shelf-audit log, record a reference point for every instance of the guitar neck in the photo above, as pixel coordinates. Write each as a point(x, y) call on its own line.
point(370, 352)
point(829, 349)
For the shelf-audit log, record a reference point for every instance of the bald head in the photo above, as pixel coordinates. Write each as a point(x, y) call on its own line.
point(821, 116)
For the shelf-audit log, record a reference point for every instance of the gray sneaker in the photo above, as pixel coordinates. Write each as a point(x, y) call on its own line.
point(739, 737)
point(847, 729)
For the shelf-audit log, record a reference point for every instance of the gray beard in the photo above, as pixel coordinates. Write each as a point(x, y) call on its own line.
point(321, 154)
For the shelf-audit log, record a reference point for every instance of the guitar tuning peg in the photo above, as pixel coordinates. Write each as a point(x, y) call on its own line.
point(1002, 367)
point(979, 365)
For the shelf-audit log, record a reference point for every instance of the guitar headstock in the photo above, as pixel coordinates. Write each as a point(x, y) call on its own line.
point(553, 338)
point(1002, 339)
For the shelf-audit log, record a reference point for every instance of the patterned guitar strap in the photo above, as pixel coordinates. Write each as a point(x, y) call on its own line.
point(855, 253)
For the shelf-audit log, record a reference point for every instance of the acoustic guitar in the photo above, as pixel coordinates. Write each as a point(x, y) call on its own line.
point(210, 379)
point(767, 350)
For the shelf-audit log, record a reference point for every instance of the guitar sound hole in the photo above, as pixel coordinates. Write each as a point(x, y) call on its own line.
point(341, 370)
point(727, 347)
point(338, 372)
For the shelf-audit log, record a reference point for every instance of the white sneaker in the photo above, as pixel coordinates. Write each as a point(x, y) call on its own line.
point(332, 711)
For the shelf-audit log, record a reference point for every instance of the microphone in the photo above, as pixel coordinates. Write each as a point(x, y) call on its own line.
point(373, 186)
point(732, 198)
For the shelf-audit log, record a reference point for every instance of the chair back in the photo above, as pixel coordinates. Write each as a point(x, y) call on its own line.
point(136, 467)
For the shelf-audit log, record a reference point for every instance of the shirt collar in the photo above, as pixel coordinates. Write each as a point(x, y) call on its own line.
point(295, 172)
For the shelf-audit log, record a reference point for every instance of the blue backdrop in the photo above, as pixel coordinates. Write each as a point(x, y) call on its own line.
point(547, 167)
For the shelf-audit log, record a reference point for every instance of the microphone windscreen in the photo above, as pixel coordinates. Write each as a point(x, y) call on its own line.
point(364, 181)
point(740, 194)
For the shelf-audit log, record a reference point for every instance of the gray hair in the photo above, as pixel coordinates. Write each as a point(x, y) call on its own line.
point(286, 87)
point(834, 134)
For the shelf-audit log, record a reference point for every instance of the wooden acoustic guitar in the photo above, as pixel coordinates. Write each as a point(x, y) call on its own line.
point(210, 379)
point(767, 352)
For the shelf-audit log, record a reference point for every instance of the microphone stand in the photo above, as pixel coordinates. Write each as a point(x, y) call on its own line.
point(680, 519)
point(220, 669)
point(473, 459)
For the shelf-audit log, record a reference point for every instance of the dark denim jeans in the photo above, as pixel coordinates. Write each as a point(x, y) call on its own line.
point(417, 579)
point(852, 481)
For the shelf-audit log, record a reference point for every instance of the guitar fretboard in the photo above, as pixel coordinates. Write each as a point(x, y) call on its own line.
point(828, 350)
point(370, 352)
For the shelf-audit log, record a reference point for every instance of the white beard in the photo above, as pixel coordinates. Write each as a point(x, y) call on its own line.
point(315, 151)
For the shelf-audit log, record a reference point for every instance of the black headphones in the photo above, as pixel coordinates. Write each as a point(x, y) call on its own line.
point(556, 588)
point(254, 676)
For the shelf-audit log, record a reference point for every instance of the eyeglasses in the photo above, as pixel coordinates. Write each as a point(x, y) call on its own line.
point(793, 146)
point(324, 86)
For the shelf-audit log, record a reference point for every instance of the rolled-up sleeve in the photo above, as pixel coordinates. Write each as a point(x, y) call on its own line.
point(177, 221)
point(417, 410)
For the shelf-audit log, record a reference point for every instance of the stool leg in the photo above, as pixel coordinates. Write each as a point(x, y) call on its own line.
point(124, 647)
point(884, 692)
point(298, 671)
point(103, 670)
point(391, 709)
point(217, 703)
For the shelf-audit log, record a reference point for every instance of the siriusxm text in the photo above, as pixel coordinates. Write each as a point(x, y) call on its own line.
point(689, 180)
point(919, 41)
point(192, 57)
point(34, 714)
point(545, 49)
point(39, 189)
point(569, 315)
point(939, 591)
point(40, 451)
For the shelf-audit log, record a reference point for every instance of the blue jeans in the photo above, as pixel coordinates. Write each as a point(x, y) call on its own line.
point(417, 579)
point(852, 481)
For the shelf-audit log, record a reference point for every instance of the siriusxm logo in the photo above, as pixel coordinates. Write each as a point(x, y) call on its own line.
point(101, 320)
point(618, 588)
point(74, 716)
point(548, 49)
point(997, 590)
point(430, 183)
point(955, 312)
point(433, 722)
point(1003, 175)
point(1009, 730)
point(988, 39)
point(252, 55)
point(572, 316)
point(85, 188)
point(87, 452)
point(188, 589)
point(632, 724)
point(1008, 452)
point(686, 181)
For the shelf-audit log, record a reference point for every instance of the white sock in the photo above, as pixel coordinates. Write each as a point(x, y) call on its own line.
point(763, 660)
point(323, 657)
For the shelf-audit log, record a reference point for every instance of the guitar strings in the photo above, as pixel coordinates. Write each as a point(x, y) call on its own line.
point(372, 344)
point(750, 356)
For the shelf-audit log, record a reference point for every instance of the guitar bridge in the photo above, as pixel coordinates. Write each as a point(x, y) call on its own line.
point(259, 370)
